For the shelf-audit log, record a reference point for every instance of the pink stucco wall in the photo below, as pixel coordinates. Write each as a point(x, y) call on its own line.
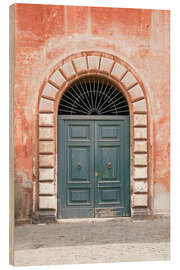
point(46, 34)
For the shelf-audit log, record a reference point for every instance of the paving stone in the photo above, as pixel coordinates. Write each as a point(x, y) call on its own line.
point(93, 240)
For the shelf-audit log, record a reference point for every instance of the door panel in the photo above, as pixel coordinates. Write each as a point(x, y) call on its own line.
point(108, 132)
point(79, 131)
point(93, 168)
point(109, 195)
point(76, 199)
point(110, 167)
point(78, 163)
point(78, 196)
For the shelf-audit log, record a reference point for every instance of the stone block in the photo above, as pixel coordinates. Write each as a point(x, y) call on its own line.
point(140, 106)
point(46, 119)
point(106, 64)
point(47, 202)
point(57, 78)
point(46, 105)
point(46, 160)
point(140, 159)
point(50, 91)
point(46, 147)
point(128, 80)
point(140, 173)
point(68, 70)
point(139, 200)
point(140, 133)
point(46, 133)
point(46, 174)
point(93, 62)
point(46, 188)
point(140, 120)
point(81, 64)
point(136, 92)
point(118, 71)
point(140, 146)
point(140, 212)
point(140, 186)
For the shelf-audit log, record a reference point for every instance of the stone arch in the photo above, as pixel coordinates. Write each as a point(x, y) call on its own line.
point(73, 67)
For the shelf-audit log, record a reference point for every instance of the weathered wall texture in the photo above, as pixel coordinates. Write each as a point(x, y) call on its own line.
point(46, 34)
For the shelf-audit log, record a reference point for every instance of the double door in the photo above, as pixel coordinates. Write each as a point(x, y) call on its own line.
point(93, 167)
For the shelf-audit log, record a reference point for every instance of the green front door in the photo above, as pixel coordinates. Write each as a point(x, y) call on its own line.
point(93, 167)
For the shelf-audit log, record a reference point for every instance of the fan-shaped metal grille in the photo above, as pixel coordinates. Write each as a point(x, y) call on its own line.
point(93, 96)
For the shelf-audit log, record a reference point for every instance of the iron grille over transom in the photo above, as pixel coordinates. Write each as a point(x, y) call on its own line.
point(93, 96)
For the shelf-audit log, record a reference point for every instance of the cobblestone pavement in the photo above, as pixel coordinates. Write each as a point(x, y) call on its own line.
point(93, 241)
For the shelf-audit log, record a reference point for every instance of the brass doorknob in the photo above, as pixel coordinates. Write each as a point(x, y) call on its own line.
point(109, 165)
point(79, 165)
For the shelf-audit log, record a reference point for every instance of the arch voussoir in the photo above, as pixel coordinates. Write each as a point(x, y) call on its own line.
point(93, 62)
point(136, 92)
point(106, 65)
point(118, 71)
point(80, 64)
point(57, 79)
point(67, 70)
point(128, 80)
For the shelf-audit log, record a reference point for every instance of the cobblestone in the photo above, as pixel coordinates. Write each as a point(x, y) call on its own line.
point(93, 241)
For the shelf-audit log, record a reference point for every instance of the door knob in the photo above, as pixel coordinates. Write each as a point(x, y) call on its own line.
point(79, 165)
point(109, 165)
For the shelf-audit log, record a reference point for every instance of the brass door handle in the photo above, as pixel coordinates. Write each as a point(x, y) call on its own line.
point(109, 165)
point(79, 165)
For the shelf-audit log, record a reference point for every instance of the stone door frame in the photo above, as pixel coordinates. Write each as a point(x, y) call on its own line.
point(72, 68)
